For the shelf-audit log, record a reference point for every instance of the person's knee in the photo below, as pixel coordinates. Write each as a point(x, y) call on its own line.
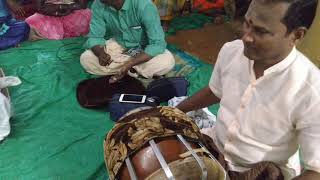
point(168, 59)
point(164, 63)
point(86, 57)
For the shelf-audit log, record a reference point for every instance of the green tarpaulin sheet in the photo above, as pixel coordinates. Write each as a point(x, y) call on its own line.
point(52, 137)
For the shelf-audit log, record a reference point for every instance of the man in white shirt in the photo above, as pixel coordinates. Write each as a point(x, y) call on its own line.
point(269, 92)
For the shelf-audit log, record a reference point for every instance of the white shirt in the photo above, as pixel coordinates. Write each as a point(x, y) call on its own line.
point(267, 119)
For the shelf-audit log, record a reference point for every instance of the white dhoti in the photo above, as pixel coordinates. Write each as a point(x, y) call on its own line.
point(157, 66)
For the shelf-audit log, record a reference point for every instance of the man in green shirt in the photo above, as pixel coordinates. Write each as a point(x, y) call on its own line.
point(135, 45)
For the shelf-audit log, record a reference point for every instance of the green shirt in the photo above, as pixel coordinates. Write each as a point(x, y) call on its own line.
point(136, 24)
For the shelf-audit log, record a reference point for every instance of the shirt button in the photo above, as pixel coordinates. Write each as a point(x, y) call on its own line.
point(242, 106)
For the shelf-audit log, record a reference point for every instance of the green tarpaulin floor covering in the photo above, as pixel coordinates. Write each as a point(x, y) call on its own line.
point(52, 137)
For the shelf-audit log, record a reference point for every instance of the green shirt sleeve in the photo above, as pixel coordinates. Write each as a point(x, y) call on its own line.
point(97, 26)
point(151, 21)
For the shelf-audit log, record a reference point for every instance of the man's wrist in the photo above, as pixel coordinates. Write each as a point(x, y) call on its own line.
point(98, 50)
point(130, 63)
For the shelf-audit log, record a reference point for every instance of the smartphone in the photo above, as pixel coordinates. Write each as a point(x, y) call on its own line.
point(132, 98)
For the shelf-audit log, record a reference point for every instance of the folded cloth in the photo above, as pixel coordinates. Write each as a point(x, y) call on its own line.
point(9, 81)
point(5, 112)
point(4, 116)
point(202, 117)
point(3, 90)
point(12, 32)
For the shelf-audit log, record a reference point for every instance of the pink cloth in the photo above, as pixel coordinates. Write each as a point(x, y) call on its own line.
point(50, 27)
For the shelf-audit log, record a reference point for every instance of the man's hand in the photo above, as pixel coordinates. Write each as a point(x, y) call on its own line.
point(104, 59)
point(123, 71)
point(201, 99)
point(139, 59)
point(308, 175)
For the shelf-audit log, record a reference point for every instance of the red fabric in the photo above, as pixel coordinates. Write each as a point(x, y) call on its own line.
point(205, 5)
point(73, 25)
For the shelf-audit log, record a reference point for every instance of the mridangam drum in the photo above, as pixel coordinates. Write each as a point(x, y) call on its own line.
point(159, 143)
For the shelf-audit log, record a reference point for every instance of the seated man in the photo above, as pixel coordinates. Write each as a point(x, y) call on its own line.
point(12, 32)
point(136, 40)
point(269, 92)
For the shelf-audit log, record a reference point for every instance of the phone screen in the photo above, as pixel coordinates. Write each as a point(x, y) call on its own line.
point(132, 98)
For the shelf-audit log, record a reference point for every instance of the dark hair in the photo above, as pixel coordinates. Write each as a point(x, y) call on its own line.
point(299, 14)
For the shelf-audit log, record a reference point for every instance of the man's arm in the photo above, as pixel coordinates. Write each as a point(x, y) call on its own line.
point(104, 58)
point(201, 99)
point(151, 22)
point(308, 175)
point(308, 128)
point(208, 95)
point(97, 26)
point(139, 59)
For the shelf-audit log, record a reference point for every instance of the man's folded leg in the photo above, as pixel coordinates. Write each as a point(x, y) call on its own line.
point(157, 66)
point(90, 61)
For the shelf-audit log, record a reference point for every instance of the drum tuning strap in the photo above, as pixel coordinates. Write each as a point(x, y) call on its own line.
point(189, 153)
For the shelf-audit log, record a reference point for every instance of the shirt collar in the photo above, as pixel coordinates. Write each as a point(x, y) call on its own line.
point(282, 65)
point(125, 5)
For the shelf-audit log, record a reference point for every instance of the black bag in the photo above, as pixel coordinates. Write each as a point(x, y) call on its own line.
point(95, 93)
point(167, 88)
point(160, 90)
point(98, 93)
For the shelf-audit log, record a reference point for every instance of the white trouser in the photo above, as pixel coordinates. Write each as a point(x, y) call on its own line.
point(158, 65)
